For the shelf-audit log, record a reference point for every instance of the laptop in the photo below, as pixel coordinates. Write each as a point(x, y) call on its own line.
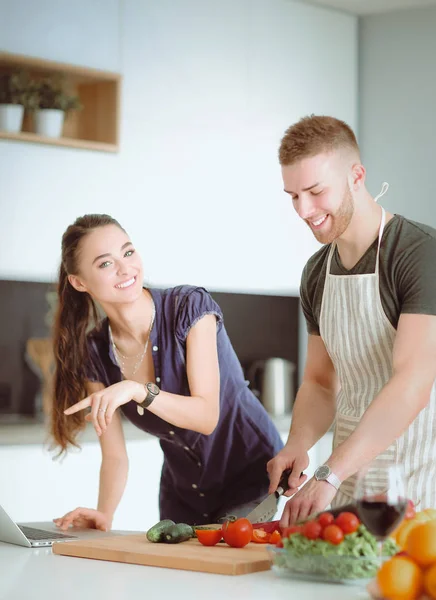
point(37, 535)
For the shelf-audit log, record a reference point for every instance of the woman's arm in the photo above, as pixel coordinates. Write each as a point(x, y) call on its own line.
point(198, 412)
point(113, 476)
point(114, 466)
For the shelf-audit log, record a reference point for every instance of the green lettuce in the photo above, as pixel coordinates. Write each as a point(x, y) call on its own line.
point(354, 558)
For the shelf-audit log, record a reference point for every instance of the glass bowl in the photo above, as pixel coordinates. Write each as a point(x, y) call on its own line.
point(354, 570)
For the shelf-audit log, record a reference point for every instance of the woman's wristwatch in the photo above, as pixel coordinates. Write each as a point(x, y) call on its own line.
point(324, 473)
point(152, 391)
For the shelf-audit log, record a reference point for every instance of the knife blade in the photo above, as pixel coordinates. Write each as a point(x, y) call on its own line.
point(268, 507)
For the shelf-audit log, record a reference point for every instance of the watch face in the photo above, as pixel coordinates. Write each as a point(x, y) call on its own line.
point(153, 389)
point(322, 472)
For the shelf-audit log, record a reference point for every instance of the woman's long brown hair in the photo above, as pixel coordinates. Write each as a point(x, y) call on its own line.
point(76, 311)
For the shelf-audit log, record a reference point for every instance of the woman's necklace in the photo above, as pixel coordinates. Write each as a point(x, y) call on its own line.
point(140, 356)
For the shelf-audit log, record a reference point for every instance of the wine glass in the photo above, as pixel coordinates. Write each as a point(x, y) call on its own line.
point(381, 501)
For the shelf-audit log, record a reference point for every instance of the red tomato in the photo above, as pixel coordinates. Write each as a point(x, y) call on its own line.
point(209, 537)
point(287, 531)
point(279, 544)
point(333, 534)
point(312, 530)
point(348, 522)
point(260, 536)
point(325, 519)
point(410, 510)
point(275, 538)
point(237, 533)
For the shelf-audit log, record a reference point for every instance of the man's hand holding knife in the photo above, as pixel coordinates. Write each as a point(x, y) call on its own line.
point(314, 497)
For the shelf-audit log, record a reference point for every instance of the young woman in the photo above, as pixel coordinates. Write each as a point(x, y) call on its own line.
point(164, 359)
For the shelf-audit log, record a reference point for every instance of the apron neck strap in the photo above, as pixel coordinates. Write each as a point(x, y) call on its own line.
point(383, 191)
point(380, 235)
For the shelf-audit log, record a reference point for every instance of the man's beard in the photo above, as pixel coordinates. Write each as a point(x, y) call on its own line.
point(339, 222)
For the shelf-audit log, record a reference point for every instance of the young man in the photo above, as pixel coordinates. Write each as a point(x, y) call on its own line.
point(369, 298)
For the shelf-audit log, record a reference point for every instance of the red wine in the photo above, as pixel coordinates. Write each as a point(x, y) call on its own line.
point(380, 518)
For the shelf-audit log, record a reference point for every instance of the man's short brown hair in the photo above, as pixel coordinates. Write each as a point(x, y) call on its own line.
point(314, 135)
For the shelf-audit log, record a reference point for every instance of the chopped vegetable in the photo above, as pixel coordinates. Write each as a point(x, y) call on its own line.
point(260, 536)
point(209, 537)
point(275, 538)
point(268, 526)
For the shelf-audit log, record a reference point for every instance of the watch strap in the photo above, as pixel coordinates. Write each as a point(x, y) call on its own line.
point(334, 481)
point(149, 397)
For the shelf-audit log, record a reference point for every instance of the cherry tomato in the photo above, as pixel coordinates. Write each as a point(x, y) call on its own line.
point(237, 533)
point(279, 544)
point(333, 534)
point(312, 530)
point(348, 522)
point(325, 518)
point(260, 536)
point(410, 510)
point(209, 537)
point(275, 538)
point(287, 531)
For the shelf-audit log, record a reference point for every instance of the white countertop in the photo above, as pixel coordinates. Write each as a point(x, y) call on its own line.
point(39, 574)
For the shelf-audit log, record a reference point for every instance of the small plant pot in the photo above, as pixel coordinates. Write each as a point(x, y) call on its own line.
point(49, 122)
point(11, 117)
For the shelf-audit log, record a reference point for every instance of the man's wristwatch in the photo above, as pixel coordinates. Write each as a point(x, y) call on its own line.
point(324, 473)
point(151, 392)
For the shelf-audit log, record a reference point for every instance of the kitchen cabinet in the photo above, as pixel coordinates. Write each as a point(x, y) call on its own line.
point(34, 487)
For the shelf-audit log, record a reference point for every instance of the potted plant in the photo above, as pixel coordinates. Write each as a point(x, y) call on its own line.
point(13, 100)
point(51, 104)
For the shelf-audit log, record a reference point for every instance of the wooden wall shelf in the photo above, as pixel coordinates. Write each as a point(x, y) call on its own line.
point(96, 126)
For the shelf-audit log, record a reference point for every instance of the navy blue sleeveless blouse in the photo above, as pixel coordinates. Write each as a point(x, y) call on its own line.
point(202, 475)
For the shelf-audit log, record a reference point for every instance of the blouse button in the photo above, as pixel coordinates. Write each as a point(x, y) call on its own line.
point(171, 432)
point(186, 448)
point(157, 379)
point(155, 348)
point(201, 495)
point(195, 486)
point(199, 464)
point(205, 514)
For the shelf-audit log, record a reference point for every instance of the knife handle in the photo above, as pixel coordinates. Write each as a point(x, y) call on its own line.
point(283, 483)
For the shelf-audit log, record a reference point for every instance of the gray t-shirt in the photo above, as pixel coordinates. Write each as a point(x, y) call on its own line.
point(407, 272)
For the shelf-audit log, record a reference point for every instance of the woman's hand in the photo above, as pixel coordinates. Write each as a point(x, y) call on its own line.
point(86, 518)
point(104, 403)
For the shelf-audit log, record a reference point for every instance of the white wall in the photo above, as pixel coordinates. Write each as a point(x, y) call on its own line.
point(397, 109)
point(209, 88)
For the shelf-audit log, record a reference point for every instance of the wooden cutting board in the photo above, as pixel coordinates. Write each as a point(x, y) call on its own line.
point(189, 556)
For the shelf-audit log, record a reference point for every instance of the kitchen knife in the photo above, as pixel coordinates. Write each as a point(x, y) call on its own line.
point(268, 507)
